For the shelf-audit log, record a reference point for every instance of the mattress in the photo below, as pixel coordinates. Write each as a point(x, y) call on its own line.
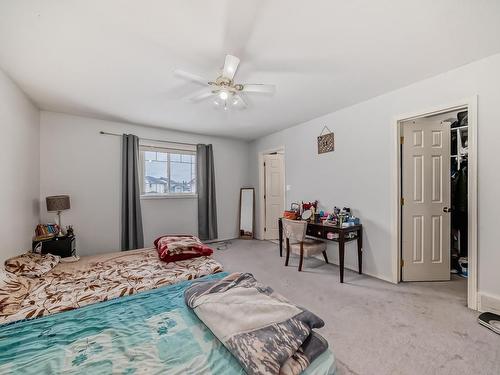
point(149, 332)
point(95, 279)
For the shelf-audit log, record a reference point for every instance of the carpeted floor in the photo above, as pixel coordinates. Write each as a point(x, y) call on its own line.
point(375, 327)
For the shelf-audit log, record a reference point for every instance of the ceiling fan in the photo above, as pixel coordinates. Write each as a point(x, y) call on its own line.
point(225, 92)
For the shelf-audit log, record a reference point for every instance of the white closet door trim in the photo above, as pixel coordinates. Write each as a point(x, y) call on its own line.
point(470, 104)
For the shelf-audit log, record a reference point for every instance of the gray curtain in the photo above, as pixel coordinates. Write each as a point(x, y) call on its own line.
point(205, 187)
point(132, 236)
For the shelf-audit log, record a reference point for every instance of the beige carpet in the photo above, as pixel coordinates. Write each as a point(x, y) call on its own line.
point(375, 327)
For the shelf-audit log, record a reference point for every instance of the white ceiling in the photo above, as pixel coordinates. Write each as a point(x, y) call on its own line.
point(113, 59)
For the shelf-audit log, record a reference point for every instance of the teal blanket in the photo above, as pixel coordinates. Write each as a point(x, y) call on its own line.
point(150, 332)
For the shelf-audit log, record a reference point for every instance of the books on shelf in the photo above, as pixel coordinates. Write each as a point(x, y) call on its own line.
point(46, 230)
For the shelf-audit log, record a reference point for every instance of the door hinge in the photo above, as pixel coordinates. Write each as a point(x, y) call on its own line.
point(264, 196)
point(265, 229)
point(402, 263)
point(264, 164)
point(402, 140)
point(402, 201)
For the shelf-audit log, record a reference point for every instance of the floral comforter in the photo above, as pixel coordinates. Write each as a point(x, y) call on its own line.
point(92, 280)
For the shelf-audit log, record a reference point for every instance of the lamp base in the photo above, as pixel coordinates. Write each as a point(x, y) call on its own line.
point(60, 234)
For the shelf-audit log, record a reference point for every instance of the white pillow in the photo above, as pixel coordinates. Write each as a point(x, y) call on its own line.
point(31, 264)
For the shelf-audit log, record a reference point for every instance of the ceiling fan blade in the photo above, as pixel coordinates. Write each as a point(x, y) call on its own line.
point(191, 77)
point(259, 87)
point(241, 18)
point(200, 95)
point(230, 66)
point(238, 101)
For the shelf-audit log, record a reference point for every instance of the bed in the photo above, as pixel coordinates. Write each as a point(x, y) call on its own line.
point(95, 279)
point(83, 327)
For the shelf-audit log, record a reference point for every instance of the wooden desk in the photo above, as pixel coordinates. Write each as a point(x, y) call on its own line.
point(320, 231)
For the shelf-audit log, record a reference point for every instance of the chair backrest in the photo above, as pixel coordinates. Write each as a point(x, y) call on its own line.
point(294, 229)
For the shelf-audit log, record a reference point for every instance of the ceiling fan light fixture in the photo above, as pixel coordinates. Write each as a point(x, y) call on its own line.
point(218, 101)
point(224, 91)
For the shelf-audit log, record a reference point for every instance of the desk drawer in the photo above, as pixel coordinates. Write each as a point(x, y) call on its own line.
point(315, 231)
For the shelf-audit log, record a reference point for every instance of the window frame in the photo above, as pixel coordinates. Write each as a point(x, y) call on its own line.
point(143, 148)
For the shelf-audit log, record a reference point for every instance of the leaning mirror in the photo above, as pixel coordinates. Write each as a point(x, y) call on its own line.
point(247, 197)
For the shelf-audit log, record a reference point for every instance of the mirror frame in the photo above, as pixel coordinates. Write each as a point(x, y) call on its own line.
point(246, 237)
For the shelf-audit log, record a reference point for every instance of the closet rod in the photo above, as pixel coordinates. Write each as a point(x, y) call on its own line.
point(460, 127)
point(150, 139)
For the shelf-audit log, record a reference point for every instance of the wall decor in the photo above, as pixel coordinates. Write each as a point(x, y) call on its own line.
point(326, 141)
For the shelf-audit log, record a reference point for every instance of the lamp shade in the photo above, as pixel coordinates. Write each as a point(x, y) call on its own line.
point(57, 203)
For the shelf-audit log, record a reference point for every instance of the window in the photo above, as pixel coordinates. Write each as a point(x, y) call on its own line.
point(167, 171)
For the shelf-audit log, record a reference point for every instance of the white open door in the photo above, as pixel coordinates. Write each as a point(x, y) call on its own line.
point(274, 198)
point(426, 199)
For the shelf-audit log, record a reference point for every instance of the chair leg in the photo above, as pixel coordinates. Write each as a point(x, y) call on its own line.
point(287, 252)
point(301, 256)
point(325, 256)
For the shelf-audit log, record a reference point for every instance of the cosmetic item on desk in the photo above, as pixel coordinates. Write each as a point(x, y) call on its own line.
point(291, 215)
point(306, 215)
point(343, 217)
point(331, 219)
point(309, 205)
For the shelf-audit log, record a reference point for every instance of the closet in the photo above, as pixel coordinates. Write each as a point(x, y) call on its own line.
point(459, 194)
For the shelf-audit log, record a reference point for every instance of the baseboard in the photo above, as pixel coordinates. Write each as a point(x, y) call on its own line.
point(489, 302)
point(221, 240)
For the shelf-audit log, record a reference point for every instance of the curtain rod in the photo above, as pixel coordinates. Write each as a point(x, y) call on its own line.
point(150, 139)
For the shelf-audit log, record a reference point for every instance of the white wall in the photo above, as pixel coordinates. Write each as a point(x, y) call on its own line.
point(359, 172)
point(77, 160)
point(19, 169)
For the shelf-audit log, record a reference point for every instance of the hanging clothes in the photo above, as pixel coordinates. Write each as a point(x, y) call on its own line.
point(459, 185)
point(459, 182)
point(462, 120)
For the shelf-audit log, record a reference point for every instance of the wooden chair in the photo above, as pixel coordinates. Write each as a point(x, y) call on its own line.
point(295, 230)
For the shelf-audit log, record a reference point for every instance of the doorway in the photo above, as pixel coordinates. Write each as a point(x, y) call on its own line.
point(437, 197)
point(272, 195)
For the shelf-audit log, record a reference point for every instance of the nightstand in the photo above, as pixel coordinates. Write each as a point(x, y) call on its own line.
point(63, 246)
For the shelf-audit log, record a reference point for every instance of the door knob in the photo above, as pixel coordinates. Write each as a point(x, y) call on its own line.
point(447, 209)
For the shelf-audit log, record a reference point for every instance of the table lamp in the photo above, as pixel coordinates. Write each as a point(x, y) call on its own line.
point(58, 203)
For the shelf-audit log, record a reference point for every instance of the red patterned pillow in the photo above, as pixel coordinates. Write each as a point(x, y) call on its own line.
point(173, 248)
